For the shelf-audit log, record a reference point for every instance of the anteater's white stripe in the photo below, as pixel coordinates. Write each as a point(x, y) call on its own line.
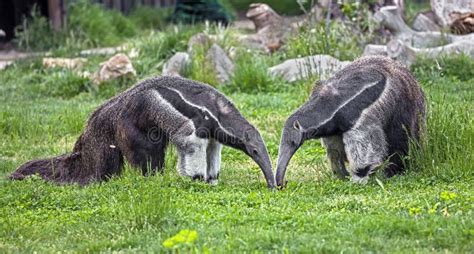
point(172, 114)
point(375, 104)
point(347, 102)
point(202, 108)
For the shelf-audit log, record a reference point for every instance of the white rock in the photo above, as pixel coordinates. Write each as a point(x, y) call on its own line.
point(223, 66)
point(199, 39)
point(103, 51)
point(372, 49)
point(304, 67)
point(5, 64)
point(176, 65)
point(117, 66)
point(68, 63)
point(424, 23)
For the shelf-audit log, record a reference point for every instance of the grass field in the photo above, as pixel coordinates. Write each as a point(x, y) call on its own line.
point(43, 111)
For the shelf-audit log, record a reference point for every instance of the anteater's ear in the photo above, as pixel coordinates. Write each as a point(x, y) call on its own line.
point(247, 136)
point(316, 88)
point(297, 125)
point(204, 114)
point(223, 106)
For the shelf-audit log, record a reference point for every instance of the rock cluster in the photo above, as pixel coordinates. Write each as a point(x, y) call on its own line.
point(117, 66)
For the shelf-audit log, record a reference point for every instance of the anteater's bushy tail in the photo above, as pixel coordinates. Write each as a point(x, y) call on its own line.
point(90, 160)
point(58, 169)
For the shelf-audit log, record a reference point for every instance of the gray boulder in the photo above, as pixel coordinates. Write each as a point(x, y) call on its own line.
point(176, 65)
point(423, 23)
point(223, 66)
point(199, 39)
point(302, 68)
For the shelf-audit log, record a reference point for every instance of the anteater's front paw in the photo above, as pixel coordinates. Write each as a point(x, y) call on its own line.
point(360, 180)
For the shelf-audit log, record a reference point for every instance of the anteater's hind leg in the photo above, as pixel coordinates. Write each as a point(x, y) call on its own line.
point(153, 156)
point(395, 165)
point(158, 156)
point(155, 151)
point(144, 149)
point(103, 158)
point(214, 150)
point(366, 149)
point(336, 155)
point(398, 140)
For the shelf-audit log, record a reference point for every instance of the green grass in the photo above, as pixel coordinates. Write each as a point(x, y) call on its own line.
point(315, 212)
point(412, 8)
point(340, 42)
point(429, 209)
point(200, 67)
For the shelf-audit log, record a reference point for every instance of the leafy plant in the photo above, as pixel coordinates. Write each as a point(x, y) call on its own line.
point(184, 237)
point(35, 33)
point(98, 26)
point(251, 74)
point(460, 67)
point(341, 42)
point(201, 69)
point(412, 8)
point(88, 25)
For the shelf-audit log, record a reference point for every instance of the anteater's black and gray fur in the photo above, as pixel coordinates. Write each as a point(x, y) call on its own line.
point(138, 124)
point(365, 114)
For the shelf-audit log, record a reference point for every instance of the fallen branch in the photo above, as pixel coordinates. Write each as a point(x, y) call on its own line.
point(390, 17)
point(406, 54)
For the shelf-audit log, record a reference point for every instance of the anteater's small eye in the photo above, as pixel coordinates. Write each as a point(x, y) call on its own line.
point(296, 125)
point(254, 151)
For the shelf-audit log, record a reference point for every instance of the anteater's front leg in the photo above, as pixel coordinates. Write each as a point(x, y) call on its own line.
point(192, 156)
point(366, 149)
point(142, 148)
point(214, 150)
point(336, 155)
